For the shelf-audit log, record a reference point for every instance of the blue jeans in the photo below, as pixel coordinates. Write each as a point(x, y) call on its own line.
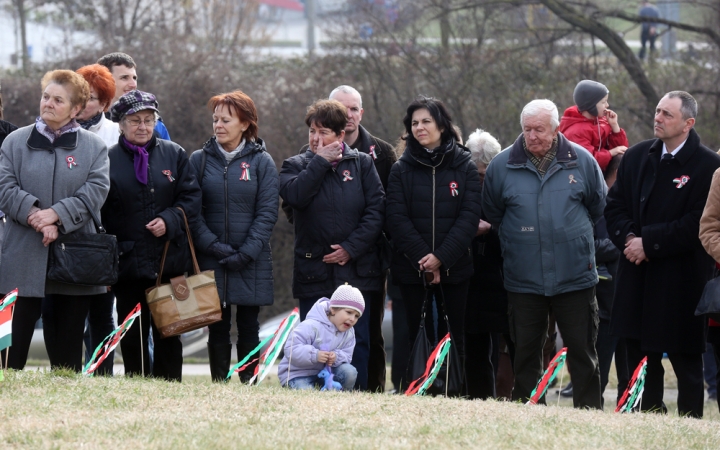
point(345, 374)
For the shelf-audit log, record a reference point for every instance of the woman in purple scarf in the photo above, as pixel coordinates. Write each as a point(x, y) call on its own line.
point(149, 180)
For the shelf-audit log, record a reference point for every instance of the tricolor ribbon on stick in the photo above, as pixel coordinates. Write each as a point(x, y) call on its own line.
point(6, 315)
point(110, 342)
point(432, 367)
point(633, 394)
point(268, 357)
point(9, 299)
point(555, 366)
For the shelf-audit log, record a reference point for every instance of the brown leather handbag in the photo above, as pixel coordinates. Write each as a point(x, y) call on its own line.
point(187, 303)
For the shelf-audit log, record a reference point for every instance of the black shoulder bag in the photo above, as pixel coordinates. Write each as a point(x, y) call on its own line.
point(450, 379)
point(84, 258)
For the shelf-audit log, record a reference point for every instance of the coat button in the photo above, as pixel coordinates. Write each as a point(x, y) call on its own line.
point(656, 246)
point(642, 199)
point(152, 191)
point(617, 232)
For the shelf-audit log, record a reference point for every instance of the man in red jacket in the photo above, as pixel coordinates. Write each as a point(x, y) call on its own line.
point(592, 125)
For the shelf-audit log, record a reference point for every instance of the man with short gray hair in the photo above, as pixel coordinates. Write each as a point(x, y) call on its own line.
point(543, 194)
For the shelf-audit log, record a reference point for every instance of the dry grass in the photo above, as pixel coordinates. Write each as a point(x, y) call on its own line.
point(42, 410)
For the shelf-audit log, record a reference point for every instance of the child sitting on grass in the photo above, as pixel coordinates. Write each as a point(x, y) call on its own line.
point(325, 338)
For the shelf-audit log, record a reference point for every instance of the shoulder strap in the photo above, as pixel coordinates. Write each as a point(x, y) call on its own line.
point(98, 225)
point(196, 267)
point(203, 161)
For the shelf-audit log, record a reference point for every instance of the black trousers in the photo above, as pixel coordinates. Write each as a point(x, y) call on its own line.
point(413, 296)
point(576, 314)
point(400, 344)
point(688, 368)
point(479, 368)
point(28, 311)
point(377, 360)
point(246, 319)
point(167, 356)
point(100, 323)
point(63, 328)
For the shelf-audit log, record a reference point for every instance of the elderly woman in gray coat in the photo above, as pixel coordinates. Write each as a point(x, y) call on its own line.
point(45, 170)
point(239, 209)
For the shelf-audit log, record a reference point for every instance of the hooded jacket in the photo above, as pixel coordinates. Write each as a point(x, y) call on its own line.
point(595, 135)
point(315, 333)
point(342, 205)
point(239, 212)
point(545, 223)
point(433, 207)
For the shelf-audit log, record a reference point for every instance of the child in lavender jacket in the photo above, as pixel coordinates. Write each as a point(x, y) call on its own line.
point(325, 338)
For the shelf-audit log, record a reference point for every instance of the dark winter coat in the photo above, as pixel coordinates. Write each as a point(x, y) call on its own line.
point(131, 205)
point(381, 152)
point(5, 129)
point(545, 223)
point(343, 205)
point(240, 213)
point(486, 309)
point(607, 257)
point(433, 207)
point(661, 202)
point(35, 172)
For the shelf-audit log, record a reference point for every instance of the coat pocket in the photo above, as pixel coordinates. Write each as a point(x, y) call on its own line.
point(126, 254)
point(368, 265)
point(309, 266)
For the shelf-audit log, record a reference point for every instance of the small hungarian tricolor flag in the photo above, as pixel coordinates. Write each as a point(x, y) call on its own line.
point(432, 368)
point(555, 366)
point(634, 392)
point(110, 342)
point(6, 319)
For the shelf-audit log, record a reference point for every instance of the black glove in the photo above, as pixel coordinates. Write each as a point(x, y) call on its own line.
point(220, 250)
point(236, 262)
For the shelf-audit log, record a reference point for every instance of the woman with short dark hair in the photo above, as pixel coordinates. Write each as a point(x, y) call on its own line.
point(433, 211)
point(338, 209)
point(51, 172)
point(239, 182)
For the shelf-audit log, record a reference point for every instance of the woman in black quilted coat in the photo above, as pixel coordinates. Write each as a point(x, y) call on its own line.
point(239, 183)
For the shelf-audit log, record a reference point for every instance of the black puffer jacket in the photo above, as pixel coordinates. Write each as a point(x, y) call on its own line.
point(130, 205)
point(433, 206)
point(5, 129)
point(241, 213)
point(342, 205)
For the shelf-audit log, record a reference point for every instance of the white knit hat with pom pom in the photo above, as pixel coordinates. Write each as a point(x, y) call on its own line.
point(346, 296)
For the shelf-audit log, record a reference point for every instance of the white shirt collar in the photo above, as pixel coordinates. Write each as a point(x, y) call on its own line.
point(674, 152)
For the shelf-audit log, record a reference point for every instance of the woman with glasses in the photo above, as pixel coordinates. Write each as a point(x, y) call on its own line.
point(150, 179)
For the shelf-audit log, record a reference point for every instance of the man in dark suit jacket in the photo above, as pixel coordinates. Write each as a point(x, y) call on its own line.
point(653, 215)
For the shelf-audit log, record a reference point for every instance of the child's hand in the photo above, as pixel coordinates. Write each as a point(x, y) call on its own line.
point(332, 357)
point(323, 357)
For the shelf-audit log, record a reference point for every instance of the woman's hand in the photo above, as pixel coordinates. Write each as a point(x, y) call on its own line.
point(50, 233)
point(331, 152)
point(429, 263)
point(41, 219)
point(332, 357)
point(619, 150)
point(483, 228)
point(339, 256)
point(157, 227)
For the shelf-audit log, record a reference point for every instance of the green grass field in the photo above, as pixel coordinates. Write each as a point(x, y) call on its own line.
point(62, 410)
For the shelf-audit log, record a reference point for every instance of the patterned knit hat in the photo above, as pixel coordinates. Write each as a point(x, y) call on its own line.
point(132, 102)
point(347, 296)
point(588, 94)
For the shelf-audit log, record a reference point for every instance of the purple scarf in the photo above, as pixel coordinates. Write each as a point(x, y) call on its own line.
point(140, 160)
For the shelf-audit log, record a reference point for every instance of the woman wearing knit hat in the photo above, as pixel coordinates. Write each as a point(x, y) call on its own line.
point(592, 125)
point(325, 338)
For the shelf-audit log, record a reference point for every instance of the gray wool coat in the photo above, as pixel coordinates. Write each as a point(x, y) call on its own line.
point(35, 172)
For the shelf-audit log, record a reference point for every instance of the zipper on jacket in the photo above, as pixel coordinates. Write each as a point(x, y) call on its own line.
point(227, 225)
point(433, 210)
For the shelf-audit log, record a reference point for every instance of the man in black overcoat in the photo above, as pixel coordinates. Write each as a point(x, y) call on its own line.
point(653, 215)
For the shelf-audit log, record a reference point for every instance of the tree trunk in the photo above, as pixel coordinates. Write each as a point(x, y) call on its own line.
point(22, 17)
point(615, 43)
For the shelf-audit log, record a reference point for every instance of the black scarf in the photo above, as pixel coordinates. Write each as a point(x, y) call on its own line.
point(86, 124)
